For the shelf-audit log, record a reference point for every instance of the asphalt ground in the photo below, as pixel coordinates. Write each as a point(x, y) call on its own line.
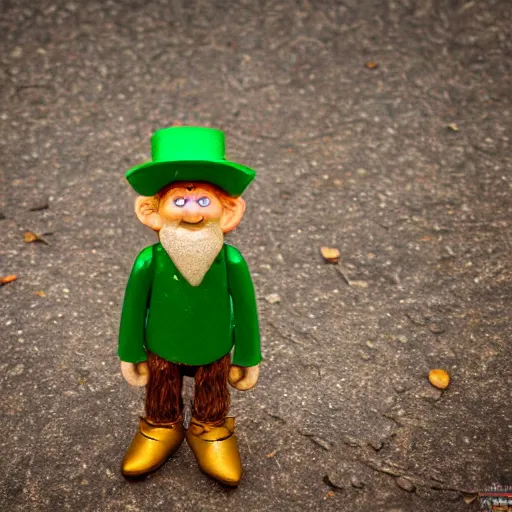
point(381, 128)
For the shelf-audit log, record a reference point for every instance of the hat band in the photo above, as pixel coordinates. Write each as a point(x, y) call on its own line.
point(187, 144)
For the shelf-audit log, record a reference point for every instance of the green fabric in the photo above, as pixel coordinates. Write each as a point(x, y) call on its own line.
point(193, 325)
point(189, 153)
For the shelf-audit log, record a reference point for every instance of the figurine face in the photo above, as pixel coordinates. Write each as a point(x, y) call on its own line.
point(191, 205)
point(191, 219)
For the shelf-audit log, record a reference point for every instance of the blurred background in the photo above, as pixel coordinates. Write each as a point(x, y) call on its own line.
point(378, 128)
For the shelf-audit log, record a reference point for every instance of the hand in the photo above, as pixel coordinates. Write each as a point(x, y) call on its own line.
point(136, 374)
point(243, 377)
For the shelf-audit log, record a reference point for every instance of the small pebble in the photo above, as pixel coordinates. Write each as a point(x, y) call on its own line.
point(431, 394)
point(273, 298)
point(399, 387)
point(351, 441)
point(356, 482)
point(376, 444)
point(436, 328)
point(405, 484)
point(359, 284)
point(333, 481)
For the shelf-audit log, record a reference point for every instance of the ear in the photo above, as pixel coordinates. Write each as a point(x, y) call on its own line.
point(232, 213)
point(146, 209)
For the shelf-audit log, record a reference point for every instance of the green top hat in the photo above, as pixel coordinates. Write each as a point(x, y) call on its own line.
point(189, 153)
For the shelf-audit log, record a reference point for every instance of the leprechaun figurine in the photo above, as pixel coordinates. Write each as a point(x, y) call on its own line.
point(188, 303)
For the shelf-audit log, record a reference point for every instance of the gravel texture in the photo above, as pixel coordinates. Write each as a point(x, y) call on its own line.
point(380, 128)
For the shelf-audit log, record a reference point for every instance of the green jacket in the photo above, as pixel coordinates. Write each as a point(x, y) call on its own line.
point(186, 324)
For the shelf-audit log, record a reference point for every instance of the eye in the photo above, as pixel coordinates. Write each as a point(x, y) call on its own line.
point(180, 201)
point(203, 201)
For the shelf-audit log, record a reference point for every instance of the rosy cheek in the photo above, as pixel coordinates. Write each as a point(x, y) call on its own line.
point(170, 212)
point(212, 212)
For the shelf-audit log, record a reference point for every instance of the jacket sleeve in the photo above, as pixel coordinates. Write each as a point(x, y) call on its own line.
point(135, 307)
point(245, 313)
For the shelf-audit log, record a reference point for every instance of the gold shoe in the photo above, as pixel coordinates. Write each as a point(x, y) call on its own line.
point(215, 448)
point(152, 445)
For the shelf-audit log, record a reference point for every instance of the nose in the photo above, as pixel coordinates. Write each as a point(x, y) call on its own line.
point(192, 213)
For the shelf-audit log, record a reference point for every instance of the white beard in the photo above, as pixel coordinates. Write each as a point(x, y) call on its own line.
point(192, 250)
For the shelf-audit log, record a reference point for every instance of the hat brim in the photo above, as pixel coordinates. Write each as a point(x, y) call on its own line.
point(149, 178)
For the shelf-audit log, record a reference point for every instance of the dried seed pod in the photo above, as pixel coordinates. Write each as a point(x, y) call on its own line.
point(29, 237)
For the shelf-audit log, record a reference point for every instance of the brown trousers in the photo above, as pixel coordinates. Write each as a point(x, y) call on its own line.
point(164, 403)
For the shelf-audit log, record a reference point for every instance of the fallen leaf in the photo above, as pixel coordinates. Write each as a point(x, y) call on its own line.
point(371, 64)
point(30, 237)
point(40, 293)
point(8, 279)
point(439, 378)
point(330, 254)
